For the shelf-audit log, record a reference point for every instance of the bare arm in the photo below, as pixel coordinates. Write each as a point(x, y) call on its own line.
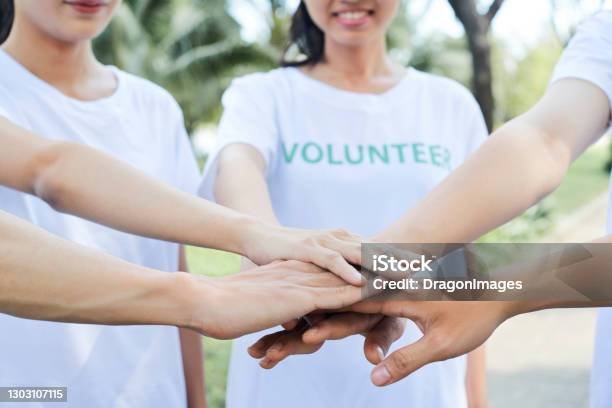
point(79, 180)
point(516, 167)
point(241, 184)
point(47, 278)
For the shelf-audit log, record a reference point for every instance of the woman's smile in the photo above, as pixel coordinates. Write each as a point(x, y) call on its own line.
point(353, 18)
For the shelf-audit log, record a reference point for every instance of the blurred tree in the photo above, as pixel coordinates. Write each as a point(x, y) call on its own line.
point(528, 80)
point(190, 47)
point(477, 25)
point(442, 55)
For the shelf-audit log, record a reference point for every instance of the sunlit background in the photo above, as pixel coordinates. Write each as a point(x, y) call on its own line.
point(195, 47)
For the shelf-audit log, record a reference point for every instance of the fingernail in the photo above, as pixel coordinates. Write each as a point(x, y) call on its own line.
point(312, 332)
point(265, 362)
point(254, 347)
point(380, 352)
point(276, 347)
point(381, 376)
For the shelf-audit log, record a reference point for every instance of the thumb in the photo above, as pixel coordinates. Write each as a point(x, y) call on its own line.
point(402, 363)
point(381, 337)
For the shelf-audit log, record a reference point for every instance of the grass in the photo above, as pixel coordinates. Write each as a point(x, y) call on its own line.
point(585, 180)
point(209, 262)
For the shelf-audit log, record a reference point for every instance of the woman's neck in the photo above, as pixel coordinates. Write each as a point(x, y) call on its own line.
point(70, 67)
point(365, 69)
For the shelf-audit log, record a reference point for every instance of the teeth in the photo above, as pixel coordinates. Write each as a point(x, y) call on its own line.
point(353, 15)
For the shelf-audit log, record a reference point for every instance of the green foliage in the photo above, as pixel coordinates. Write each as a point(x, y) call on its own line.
point(443, 55)
point(520, 83)
point(190, 47)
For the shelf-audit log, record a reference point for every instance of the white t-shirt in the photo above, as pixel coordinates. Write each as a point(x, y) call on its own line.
point(589, 57)
point(102, 366)
point(357, 161)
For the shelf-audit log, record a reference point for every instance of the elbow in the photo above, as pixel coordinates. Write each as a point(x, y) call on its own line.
point(49, 174)
point(545, 157)
point(555, 159)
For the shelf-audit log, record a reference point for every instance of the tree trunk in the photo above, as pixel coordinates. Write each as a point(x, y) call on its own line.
point(482, 79)
point(476, 28)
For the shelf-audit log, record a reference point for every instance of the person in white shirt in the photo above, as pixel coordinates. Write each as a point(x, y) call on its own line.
point(52, 86)
point(343, 137)
point(526, 159)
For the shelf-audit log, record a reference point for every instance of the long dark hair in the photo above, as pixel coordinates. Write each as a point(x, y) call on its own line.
point(307, 37)
point(7, 15)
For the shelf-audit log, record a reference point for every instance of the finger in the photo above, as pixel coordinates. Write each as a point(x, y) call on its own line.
point(336, 264)
point(381, 337)
point(336, 297)
point(340, 326)
point(287, 345)
point(260, 347)
point(314, 318)
point(290, 325)
point(402, 363)
point(388, 306)
point(347, 247)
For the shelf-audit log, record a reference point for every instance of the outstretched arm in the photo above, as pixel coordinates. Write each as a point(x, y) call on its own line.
point(44, 277)
point(79, 180)
point(517, 166)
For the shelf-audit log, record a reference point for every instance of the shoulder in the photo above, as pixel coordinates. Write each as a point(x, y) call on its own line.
point(269, 83)
point(443, 89)
point(599, 25)
point(588, 55)
point(10, 108)
point(593, 36)
point(147, 94)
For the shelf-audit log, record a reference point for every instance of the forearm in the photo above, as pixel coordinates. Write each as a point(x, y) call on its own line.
point(476, 378)
point(244, 187)
point(513, 170)
point(126, 199)
point(82, 181)
point(521, 163)
point(44, 277)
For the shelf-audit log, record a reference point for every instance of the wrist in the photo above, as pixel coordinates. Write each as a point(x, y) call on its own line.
point(517, 307)
point(251, 233)
point(189, 297)
point(200, 302)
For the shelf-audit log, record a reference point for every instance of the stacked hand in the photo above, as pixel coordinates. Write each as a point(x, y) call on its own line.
point(333, 250)
point(262, 297)
point(450, 329)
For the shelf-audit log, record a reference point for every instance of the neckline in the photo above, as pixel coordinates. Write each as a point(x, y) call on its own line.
point(50, 88)
point(331, 89)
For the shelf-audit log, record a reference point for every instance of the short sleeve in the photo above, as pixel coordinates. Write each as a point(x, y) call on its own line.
point(476, 127)
point(588, 56)
point(186, 174)
point(249, 118)
point(5, 108)
point(471, 129)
